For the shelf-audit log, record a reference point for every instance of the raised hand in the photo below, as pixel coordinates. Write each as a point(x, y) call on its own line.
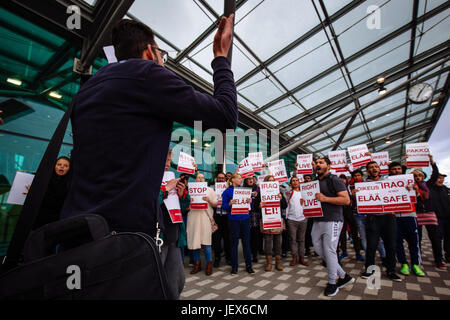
point(223, 37)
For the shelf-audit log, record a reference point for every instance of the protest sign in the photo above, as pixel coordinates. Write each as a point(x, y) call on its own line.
point(256, 160)
point(241, 195)
point(368, 197)
point(198, 190)
point(186, 163)
point(220, 187)
point(271, 212)
point(358, 155)
point(395, 196)
point(18, 191)
point(245, 169)
point(172, 201)
point(403, 181)
point(311, 207)
point(418, 155)
point(338, 160)
point(278, 170)
point(304, 164)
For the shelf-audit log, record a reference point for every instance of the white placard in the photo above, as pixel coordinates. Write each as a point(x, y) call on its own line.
point(311, 207)
point(220, 187)
point(198, 190)
point(186, 163)
point(358, 155)
point(245, 168)
point(271, 212)
point(338, 160)
point(382, 158)
point(18, 192)
point(241, 195)
point(278, 170)
point(110, 54)
point(369, 197)
point(406, 180)
point(418, 155)
point(304, 164)
point(257, 161)
point(172, 201)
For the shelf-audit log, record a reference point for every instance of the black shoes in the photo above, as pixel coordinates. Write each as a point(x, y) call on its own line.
point(394, 277)
point(234, 272)
point(250, 270)
point(216, 263)
point(345, 281)
point(366, 275)
point(331, 290)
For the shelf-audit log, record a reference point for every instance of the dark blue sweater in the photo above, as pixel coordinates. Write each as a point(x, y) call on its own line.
point(122, 123)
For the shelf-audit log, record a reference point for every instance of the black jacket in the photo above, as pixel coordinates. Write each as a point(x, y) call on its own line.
point(439, 196)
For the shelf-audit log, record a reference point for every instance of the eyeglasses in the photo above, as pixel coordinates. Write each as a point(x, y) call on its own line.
point(164, 53)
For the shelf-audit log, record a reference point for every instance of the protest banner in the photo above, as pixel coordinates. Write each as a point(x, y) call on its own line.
point(278, 170)
point(418, 155)
point(261, 178)
point(338, 160)
point(220, 187)
point(403, 181)
point(241, 195)
point(198, 190)
point(271, 212)
point(382, 159)
point(186, 163)
point(311, 207)
point(358, 155)
point(172, 201)
point(368, 197)
point(304, 164)
point(18, 191)
point(257, 161)
point(245, 169)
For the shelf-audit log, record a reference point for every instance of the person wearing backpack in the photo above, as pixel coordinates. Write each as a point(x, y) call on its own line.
point(326, 229)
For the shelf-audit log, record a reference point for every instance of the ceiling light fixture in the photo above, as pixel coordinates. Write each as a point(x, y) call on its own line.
point(380, 80)
point(55, 95)
point(382, 90)
point(387, 140)
point(435, 102)
point(14, 81)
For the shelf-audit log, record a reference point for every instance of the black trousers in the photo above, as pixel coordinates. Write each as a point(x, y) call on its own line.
point(349, 220)
point(256, 240)
point(223, 233)
point(444, 235)
point(308, 239)
point(384, 226)
point(433, 235)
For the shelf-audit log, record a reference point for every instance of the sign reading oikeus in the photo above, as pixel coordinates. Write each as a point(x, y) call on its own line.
point(368, 197)
point(304, 164)
point(220, 188)
point(358, 155)
point(278, 170)
point(338, 160)
point(271, 212)
point(241, 195)
point(186, 163)
point(382, 159)
point(198, 190)
point(417, 155)
point(245, 168)
point(311, 207)
point(256, 160)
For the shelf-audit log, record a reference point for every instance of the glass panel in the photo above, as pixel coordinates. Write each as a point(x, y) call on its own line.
point(333, 6)
point(442, 80)
point(248, 104)
point(197, 70)
point(322, 90)
point(435, 32)
point(304, 62)
point(268, 118)
point(417, 119)
point(387, 56)
point(260, 89)
point(274, 34)
point(364, 31)
point(164, 19)
point(284, 110)
point(430, 5)
point(390, 117)
point(383, 105)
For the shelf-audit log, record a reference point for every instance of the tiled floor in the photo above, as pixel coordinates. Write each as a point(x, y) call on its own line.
point(300, 282)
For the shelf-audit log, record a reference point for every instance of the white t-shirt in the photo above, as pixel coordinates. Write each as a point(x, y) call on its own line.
point(294, 210)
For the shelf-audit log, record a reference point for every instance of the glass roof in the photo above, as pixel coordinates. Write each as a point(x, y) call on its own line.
point(294, 70)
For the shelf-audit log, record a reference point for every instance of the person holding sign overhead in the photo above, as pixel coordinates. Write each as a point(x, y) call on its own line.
point(326, 230)
point(239, 222)
point(200, 221)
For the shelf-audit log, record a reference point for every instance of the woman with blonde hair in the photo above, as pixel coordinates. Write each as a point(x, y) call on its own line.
point(239, 226)
point(272, 237)
point(199, 229)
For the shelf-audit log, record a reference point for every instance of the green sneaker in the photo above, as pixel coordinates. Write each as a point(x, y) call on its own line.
point(418, 271)
point(405, 269)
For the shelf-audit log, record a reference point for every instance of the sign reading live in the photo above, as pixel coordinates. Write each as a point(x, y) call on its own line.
point(256, 160)
point(172, 201)
point(382, 158)
point(338, 160)
point(241, 195)
point(271, 212)
point(220, 188)
point(358, 155)
point(245, 168)
point(382, 196)
point(278, 170)
point(304, 164)
point(198, 190)
point(186, 163)
point(311, 207)
point(418, 155)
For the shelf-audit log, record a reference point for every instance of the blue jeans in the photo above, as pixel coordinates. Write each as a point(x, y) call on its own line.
point(208, 253)
point(407, 230)
point(240, 229)
point(361, 223)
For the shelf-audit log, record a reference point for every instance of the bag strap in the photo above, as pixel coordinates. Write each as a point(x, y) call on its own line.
point(36, 194)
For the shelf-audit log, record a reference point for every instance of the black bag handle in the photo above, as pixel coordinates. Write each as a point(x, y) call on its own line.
point(36, 194)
